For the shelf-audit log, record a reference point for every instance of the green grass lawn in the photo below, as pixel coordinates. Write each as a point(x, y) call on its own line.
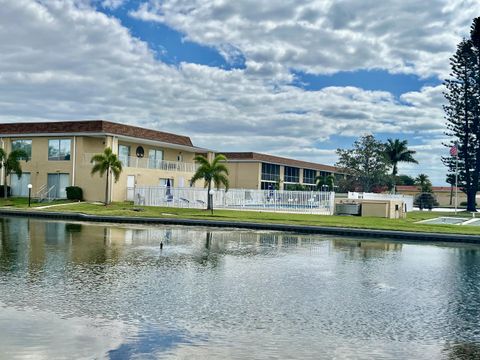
point(22, 202)
point(408, 224)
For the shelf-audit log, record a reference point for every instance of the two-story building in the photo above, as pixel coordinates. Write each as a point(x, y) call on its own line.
point(251, 170)
point(59, 155)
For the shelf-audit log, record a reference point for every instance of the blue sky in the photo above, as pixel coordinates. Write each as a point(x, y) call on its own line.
point(296, 78)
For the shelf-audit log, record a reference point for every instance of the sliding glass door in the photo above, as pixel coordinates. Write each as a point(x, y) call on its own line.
point(60, 181)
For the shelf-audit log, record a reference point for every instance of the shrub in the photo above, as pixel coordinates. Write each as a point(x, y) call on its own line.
point(464, 203)
point(9, 191)
point(74, 193)
point(425, 201)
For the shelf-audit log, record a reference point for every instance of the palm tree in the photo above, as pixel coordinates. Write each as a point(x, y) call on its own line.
point(106, 162)
point(396, 151)
point(322, 180)
point(215, 171)
point(424, 183)
point(11, 164)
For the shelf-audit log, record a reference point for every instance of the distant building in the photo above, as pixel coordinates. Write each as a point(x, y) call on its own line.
point(59, 156)
point(251, 170)
point(443, 194)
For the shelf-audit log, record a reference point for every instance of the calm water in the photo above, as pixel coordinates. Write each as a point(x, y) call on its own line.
point(84, 291)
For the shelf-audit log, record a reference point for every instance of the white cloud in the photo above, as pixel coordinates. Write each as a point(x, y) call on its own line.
point(324, 36)
point(71, 62)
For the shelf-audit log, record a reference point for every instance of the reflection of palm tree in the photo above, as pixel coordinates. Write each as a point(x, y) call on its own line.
point(208, 240)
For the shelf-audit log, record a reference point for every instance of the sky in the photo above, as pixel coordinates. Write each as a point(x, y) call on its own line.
point(294, 78)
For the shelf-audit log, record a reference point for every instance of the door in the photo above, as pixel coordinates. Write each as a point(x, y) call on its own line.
point(130, 187)
point(56, 184)
point(19, 187)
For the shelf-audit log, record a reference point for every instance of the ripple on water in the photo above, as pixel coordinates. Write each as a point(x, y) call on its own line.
point(110, 290)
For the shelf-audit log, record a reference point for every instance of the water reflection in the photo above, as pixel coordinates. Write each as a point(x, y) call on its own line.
point(223, 293)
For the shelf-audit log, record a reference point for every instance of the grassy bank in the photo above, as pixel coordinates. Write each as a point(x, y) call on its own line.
point(22, 202)
point(408, 224)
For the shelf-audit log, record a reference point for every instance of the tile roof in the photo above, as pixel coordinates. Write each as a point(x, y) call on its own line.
point(253, 156)
point(416, 188)
point(93, 126)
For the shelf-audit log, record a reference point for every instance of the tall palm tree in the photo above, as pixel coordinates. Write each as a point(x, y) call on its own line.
point(106, 162)
point(396, 151)
point(214, 171)
point(11, 164)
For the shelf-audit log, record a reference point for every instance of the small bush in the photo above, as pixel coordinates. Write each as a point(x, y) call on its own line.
point(9, 191)
point(74, 193)
point(425, 201)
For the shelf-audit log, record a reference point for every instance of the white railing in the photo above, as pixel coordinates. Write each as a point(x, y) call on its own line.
point(146, 163)
point(407, 199)
point(307, 202)
point(45, 193)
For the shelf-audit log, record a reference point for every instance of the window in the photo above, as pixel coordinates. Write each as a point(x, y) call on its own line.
point(19, 186)
point(124, 154)
point(270, 172)
point(59, 149)
point(25, 145)
point(292, 174)
point(309, 176)
point(154, 158)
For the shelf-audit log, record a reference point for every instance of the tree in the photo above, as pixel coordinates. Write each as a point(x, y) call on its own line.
point(463, 114)
point(325, 180)
point(365, 163)
point(106, 162)
point(424, 183)
point(11, 164)
point(214, 171)
point(396, 151)
point(404, 180)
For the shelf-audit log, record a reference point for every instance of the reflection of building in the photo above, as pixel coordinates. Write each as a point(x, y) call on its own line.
point(249, 170)
point(60, 152)
point(367, 247)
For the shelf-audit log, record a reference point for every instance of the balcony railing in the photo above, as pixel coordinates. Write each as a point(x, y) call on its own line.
point(146, 163)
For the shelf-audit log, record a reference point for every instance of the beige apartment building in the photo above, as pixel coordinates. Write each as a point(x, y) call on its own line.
point(59, 156)
point(250, 170)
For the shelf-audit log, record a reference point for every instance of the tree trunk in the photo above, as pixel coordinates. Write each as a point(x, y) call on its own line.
point(471, 194)
point(209, 197)
point(106, 188)
point(451, 194)
point(4, 183)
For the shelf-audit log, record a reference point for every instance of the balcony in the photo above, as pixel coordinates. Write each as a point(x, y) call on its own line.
point(146, 163)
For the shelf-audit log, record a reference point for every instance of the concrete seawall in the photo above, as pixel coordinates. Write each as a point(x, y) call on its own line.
point(355, 232)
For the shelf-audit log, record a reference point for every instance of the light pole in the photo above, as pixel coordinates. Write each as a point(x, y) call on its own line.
point(29, 194)
point(324, 187)
point(211, 193)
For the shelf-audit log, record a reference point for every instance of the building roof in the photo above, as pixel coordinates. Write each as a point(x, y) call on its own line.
point(253, 156)
point(92, 126)
point(415, 188)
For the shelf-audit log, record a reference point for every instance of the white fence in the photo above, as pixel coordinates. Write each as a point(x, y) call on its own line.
point(407, 199)
point(306, 202)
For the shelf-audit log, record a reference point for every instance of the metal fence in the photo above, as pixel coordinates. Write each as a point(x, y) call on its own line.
point(306, 202)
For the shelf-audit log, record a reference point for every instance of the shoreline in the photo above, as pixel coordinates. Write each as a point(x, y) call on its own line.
point(305, 229)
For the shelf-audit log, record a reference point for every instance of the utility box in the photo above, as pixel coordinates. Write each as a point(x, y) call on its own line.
point(347, 208)
point(390, 209)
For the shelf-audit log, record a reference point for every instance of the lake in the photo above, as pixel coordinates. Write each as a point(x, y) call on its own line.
point(94, 291)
